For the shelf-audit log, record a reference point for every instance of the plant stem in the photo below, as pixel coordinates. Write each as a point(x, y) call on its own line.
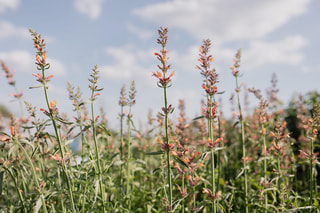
point(265, 170)
point(128, 160)
point(167, 142)
point(210, 136)
point(182, 184)
point(311, 172)
point(121, 144)
point(34, 174)
point(17, 188)
point(243, 147)
point(58, 137)
point(97, 154)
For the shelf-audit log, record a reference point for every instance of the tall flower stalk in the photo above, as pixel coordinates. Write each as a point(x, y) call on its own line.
point(9, 75)
point(210, 111)
point(132, 101)
point(235, 72)
point(123, 101)
point(164, 81)
point(52, 112)
point(78, 104)
point(263, 120)
point(312, 133)
point(94, 93)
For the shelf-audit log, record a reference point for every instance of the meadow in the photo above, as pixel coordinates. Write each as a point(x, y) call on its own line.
point(266, 161)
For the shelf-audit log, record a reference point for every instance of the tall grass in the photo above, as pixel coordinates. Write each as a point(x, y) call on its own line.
point(261, 161)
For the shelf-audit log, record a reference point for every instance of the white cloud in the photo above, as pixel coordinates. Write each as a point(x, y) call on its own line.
point(8, 30)
point(258, 53)
point(307, 69)
point(19, 60)
point(287, 51)
point(141, 33)
point(57, 68)
point(224, 20)
point(23, 61)
point(129, 63)
point(90, 8)
point(8, 4)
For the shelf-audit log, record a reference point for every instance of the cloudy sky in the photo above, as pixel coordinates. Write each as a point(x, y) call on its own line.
point(119, 36)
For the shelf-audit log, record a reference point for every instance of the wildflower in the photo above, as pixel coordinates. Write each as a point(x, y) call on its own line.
point(183, 193)
point(193, 180)
point(132, 94)
point(166, 146)
point(164, 81)
point(235, 67)
point(168, 110)
point(215, 143)
point(123, 101)
point(205, 59)
point(94, 80)
point(210, 194)
point(16, 95)
point(9, 74)
point(41, 55)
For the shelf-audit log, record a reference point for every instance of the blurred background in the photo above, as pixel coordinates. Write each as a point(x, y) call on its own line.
point(280, 37)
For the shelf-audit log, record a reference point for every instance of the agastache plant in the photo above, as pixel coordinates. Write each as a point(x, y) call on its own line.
point(164, 81)
point(263, 118)
point(9, 75)
point(94, 93)
point(235, 73)
point(131, 102)
point(210, 112)
point(52, 112)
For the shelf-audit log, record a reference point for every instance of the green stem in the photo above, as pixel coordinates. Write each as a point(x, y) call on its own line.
point(210, 134)
point(311, 172)
point(61, 147)
point(243, 148)
point(167, 142)
point(128, 159)
point(17, 188)
point(83, 138)
point(97, 154)
point(59, 181)
point(265, 170)
point(121, 145)
point(182, 184)
point(218, 159)
point(34, 174)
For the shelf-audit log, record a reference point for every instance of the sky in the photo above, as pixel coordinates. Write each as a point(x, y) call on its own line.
point(120, 36)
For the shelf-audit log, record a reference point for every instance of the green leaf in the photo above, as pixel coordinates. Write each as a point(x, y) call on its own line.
point(204, 155)
point(83, 130)
point(1, 181)
point(235, 124)
point(63, 121)
point(156, 170)
point(155, 153)
point(219, 93)
point(3, 133)
point(104, 129)
point(218, 148)
point(38, 205)
point(180, 161)
point(33, 87)
point(197, 118)
point(68, 141)
point(175, 204)
point(240, 173)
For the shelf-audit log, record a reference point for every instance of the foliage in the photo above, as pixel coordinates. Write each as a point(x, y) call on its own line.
point(265, 161)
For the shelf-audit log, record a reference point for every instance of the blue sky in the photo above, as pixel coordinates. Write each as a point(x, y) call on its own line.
point(279, 37)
